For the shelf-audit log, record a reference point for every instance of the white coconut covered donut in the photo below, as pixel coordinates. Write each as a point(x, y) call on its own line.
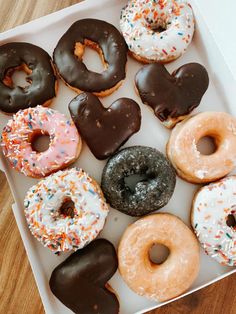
point(213, 220)
point(157, 30)
point(66, 210)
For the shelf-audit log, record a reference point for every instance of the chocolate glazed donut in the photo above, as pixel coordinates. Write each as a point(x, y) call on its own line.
point(104, 38)
point(154, 188)
point(81, 281)
point(40, 74)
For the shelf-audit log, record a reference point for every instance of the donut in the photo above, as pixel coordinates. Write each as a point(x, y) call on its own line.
point(116, 124)
point(182, 150)
point(66, 210)
point(172, 96)
point(97, 261)
point(107, 41)
point(157, 31)
point(154, 187)
point(213, 220)
point(25, 126)
point(37, 64)
point(159, 282)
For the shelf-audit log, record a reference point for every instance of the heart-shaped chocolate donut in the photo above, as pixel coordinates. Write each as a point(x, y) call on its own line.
point(80, 282)
point(172, 96)
point(105, 129)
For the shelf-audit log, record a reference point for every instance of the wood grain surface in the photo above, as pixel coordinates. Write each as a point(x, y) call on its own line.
point(18, 291)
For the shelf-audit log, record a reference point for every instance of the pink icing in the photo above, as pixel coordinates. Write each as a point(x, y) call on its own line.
point(63, 147)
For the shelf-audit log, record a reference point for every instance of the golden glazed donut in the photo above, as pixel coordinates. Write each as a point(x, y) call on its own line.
point(169, 279)
point(182, 150)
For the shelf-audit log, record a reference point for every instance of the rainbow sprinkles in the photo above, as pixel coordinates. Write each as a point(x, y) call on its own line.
point(212, 207)
point(20, 131)
point(59, 231)
point(157, 30)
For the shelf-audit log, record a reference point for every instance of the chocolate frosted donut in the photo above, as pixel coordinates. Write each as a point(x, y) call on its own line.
point(36, 63)
point(81, 281)
point(104, 38)
point(150, 193)
point(95, 123)
point(172, 96)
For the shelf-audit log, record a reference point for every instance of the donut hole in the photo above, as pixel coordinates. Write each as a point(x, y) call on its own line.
point(132, 180)
point(158, 253)
point(207, 145)
point(157, 26)
point(231, 221)
point(18, 76)
point(40, 142)
point(67, 208)
point(91, 55)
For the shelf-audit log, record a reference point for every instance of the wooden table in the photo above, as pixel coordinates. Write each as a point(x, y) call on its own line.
point(18, 292)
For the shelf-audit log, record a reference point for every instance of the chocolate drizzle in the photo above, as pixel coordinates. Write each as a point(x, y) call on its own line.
point(42, 88)
point(74, 71)
point(172, 96)
point(105, 130)
point(80, 282)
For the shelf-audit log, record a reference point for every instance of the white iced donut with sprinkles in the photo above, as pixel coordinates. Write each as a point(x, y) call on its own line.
point(213, 219)
point(157, 30)
point(26, 125)
point(66, 210)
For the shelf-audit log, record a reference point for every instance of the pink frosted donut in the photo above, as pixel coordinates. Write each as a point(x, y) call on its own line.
point(20, 132)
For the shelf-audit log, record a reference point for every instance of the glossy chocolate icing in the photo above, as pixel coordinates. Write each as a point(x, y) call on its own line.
point(74, 71)
point(80, 281)
point(172, 95)
point(42, 78)
point(105, 129)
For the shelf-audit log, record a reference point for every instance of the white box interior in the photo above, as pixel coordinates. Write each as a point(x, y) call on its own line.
point(220, 96)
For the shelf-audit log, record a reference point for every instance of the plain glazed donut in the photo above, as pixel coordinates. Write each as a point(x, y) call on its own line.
point(182, 151)
point(37, 64)
point(157, 31)
point(213, 220)
point(102, 37)
point(20, 132)
point(169, 279)
point(66, 210)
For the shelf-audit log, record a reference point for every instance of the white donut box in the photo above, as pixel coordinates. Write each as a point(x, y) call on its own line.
point(220, 96)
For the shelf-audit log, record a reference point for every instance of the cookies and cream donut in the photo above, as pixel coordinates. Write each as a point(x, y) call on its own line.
point(26, 125)
point(213, 220)
point(107, 41)
point(37, 64)
point(157, 30)
point(66, 210)
point(174, 276)
point(156, 183)
point(182, 150)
